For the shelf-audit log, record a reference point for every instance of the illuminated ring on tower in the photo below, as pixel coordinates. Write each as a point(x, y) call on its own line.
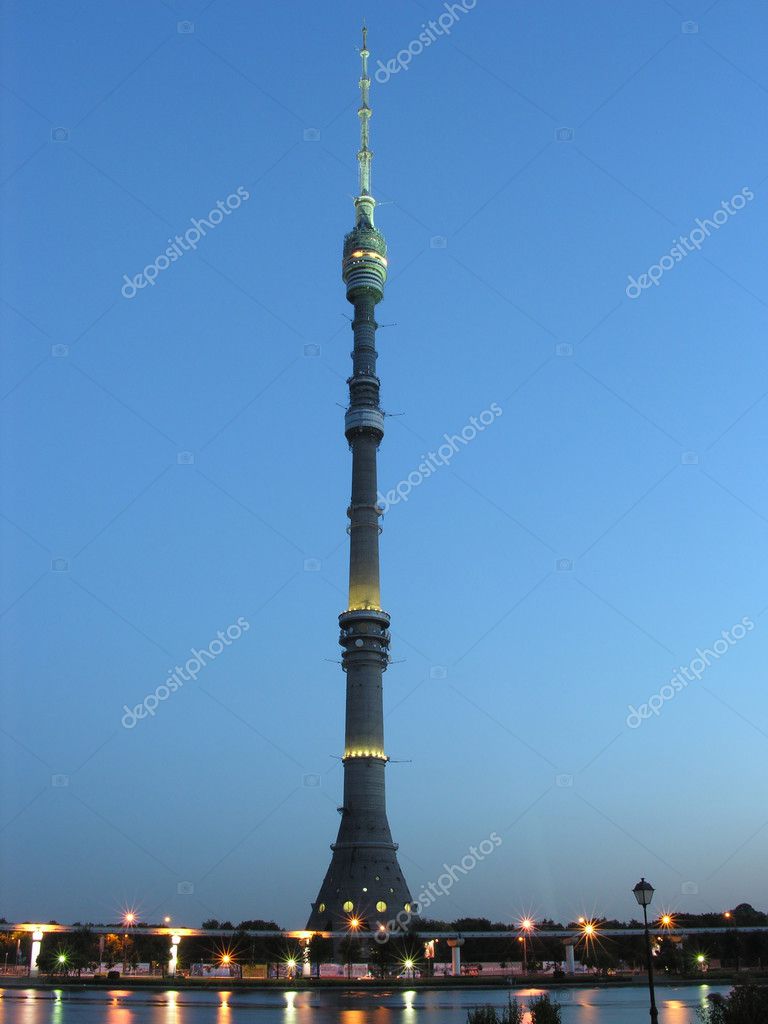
point(355, 616)
point(377, 755)
point(364, 263)
point(364, 419)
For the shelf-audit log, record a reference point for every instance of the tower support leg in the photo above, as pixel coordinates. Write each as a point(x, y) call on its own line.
point(174, 957)
point(37, 938)
point(456, 945)
point(570, 962)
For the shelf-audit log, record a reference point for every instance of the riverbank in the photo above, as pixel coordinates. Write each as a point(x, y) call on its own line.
point(374, 985)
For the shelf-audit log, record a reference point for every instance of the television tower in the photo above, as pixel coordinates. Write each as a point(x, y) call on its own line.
point(364, 882)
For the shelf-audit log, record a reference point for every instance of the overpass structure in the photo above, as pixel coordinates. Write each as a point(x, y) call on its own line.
point(570, 937)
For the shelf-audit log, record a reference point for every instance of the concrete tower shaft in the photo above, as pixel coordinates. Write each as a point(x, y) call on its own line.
point(364, 429)
point(364, 880)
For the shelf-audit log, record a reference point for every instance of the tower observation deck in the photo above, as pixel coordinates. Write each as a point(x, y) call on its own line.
point(364, 881)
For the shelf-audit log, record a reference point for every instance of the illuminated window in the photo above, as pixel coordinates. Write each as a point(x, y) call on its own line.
point(407, 908)
point(381, 906)
point(321, 908)
point(348, 906)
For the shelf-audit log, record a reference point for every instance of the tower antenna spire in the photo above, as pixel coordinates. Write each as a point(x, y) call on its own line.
point(364, 156)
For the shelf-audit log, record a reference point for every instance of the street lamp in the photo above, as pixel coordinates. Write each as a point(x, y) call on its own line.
point(526, 926)
point(129, 919)
point(644, 894)
point(354, 925)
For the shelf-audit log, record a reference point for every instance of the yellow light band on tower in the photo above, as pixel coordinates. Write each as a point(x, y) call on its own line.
point(359, 253)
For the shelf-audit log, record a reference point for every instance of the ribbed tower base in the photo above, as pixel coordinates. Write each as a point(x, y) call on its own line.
point(365, 877)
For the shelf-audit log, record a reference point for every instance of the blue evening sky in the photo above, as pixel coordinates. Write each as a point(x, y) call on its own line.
point(175, 461)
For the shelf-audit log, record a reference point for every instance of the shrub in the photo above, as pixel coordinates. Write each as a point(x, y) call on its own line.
point(746, 1004)
point(511, 1014)
point(543, 1011)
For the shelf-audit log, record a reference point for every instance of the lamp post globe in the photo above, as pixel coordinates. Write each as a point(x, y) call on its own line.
point(644, 893)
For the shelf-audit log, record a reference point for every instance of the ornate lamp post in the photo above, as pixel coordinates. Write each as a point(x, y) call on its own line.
point(644, 894)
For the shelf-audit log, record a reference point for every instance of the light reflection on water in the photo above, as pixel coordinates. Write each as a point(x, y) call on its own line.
point(677, 1005)
point(172, 1009)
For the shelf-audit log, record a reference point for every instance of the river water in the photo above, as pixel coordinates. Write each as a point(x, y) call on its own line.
point(677, 1005)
